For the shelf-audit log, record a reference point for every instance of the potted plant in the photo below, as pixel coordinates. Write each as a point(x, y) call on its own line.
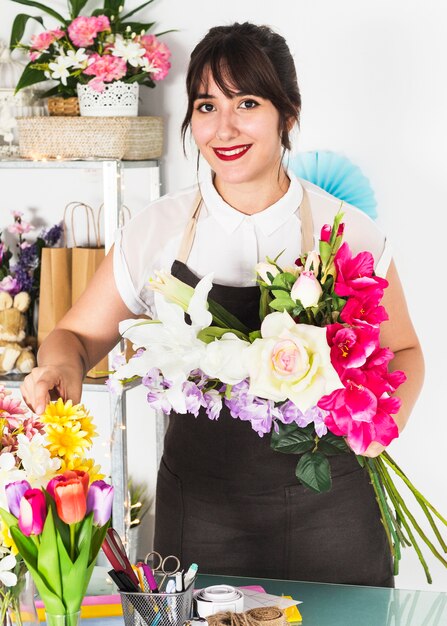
point(106, 53)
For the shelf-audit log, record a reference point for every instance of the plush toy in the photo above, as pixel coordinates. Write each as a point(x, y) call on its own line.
point(14, 354)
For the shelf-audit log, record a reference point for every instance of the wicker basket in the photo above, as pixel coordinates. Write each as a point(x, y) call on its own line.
point(63, 106)
point(127, 138)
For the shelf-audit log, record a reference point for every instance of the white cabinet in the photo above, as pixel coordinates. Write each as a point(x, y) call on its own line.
point(112, 196)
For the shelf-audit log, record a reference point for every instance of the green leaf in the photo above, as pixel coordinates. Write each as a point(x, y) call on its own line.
point(29, 77)
point(136, 27)
point(113, 6)
point(361, 460)
point(76, 7)
point(291, 439)
point(264, 303)
point(224, 318)
point(18, 28)
point(28, 550)
point(255, 334)
point(336, 442)
point(314, 471)
point(48, 559)
point(9, 519)
point(98, 536)
point(124, 17)
point(74, 582)
point(210, 333)
point(42, 7)
point(328, 448)
point(283, 304)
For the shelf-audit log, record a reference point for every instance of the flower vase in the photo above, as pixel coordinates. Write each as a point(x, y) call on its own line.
point(117, 99)
point(67, 619)
point(18, 603)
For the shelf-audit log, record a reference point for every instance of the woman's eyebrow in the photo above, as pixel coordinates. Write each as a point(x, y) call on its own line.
point(201, 96)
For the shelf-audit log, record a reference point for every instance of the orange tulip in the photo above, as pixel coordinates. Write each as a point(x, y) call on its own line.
point(71, 502)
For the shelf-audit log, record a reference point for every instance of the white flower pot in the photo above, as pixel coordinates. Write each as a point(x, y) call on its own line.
point(116, 100)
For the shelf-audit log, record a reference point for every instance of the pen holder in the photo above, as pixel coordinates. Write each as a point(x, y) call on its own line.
point(157, 609)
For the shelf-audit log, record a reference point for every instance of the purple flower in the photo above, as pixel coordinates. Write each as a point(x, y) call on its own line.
point(289, 413)
point(14, 493)
point(213, 403)
point(99, 500)
point(10, 285)
point(157, 399)
point(193, 398)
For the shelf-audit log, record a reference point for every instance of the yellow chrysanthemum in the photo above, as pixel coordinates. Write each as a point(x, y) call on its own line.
point(67, 441)
point(89, 427)
point(5, 538)
point(61, 412)
point(84, 465)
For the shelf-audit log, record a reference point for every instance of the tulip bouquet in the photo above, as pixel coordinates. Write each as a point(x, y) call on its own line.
point(313, 375)
point(46, 522)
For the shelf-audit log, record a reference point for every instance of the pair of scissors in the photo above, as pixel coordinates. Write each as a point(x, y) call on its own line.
point(159, 565)
point(114, 550)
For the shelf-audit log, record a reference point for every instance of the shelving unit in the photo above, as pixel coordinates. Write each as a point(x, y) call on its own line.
point(112, 192)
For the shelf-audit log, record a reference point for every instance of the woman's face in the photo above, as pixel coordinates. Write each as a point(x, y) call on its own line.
point(238, 136)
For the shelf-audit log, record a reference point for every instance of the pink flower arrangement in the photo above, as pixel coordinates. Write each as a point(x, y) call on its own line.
point(95, 49)
point(84, 30)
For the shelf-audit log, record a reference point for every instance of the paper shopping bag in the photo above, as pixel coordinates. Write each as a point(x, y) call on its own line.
point(55, 289)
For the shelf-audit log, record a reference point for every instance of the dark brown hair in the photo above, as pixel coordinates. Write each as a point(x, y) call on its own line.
point(251, 59)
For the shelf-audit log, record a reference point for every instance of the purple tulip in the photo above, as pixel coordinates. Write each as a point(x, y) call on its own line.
point(14, 492)
point(99, 500)
point(33, 512)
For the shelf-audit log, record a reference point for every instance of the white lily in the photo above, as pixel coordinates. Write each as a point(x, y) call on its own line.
point(170, 344)
point(36, 460)
point(59, 68)
point(8, 474)
point(77, 58)
point(8, 578)
point(131, 51)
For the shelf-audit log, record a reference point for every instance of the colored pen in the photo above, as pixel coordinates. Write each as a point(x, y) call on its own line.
point(149, 576)
point(138, 572)
point(190, 575)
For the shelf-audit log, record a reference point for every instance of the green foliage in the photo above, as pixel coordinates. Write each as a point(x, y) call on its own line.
point(291, 439)
point(18, 28)
point(314, 471)
point(42, 7)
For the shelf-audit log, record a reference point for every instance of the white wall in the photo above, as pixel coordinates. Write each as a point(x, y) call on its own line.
point(373, 82)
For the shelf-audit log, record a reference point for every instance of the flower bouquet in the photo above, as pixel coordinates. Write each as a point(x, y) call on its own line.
point(54, 505)
point(101, 48)
point(314, 375)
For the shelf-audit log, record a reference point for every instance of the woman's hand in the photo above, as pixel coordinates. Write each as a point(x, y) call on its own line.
point(374, 449)
point(48, 383)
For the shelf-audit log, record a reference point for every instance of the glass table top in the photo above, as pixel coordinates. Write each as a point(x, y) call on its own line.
point(349, 605)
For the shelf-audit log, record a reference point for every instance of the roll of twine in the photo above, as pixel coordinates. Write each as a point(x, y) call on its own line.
point(262, 616)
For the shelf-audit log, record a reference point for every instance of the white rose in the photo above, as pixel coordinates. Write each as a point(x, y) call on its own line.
point(291, 362)
point(306, 289)
point(224, 359)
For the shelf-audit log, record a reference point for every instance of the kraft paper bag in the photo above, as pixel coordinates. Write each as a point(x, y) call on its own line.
point(55, 289)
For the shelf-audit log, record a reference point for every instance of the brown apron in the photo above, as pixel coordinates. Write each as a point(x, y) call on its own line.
point(227, 501)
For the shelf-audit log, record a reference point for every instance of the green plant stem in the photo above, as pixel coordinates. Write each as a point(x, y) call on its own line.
point(72, 541)
point(401, 506)
point(386, 457)
point(392, 537)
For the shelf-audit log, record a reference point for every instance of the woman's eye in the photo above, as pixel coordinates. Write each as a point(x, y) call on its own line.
point(249, 104)
point(206, 107)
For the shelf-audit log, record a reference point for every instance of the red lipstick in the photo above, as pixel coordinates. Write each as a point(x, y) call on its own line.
point(232, 153)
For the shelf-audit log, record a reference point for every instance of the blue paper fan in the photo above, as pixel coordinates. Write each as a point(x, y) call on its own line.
point(337, 175)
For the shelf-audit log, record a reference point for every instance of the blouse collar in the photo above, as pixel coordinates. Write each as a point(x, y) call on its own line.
point(268, 220)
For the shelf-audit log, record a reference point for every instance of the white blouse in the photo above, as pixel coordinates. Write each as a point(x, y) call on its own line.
point(228, 242)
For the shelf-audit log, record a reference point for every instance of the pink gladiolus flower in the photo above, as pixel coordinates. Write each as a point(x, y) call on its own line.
point(355, 275)
point(11, 409)
point(20, 227)
point(355, 413)
point(364, 311)
point(33, 512)
point(325, 234)
point(350, 347)
point(41, 42)
point(105, 69)
point(83, 30)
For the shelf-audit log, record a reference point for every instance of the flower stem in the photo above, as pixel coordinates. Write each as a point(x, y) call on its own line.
point(387, 522)
point(72, 541)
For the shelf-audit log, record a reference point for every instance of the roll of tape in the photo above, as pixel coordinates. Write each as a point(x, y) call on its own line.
point(218, 598)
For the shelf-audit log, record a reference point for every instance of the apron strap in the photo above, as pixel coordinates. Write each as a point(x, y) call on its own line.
point(307, 228)
point(307, 225)
point(190, 231)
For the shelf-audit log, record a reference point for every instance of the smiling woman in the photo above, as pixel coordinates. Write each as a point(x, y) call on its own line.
point(225, 499)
